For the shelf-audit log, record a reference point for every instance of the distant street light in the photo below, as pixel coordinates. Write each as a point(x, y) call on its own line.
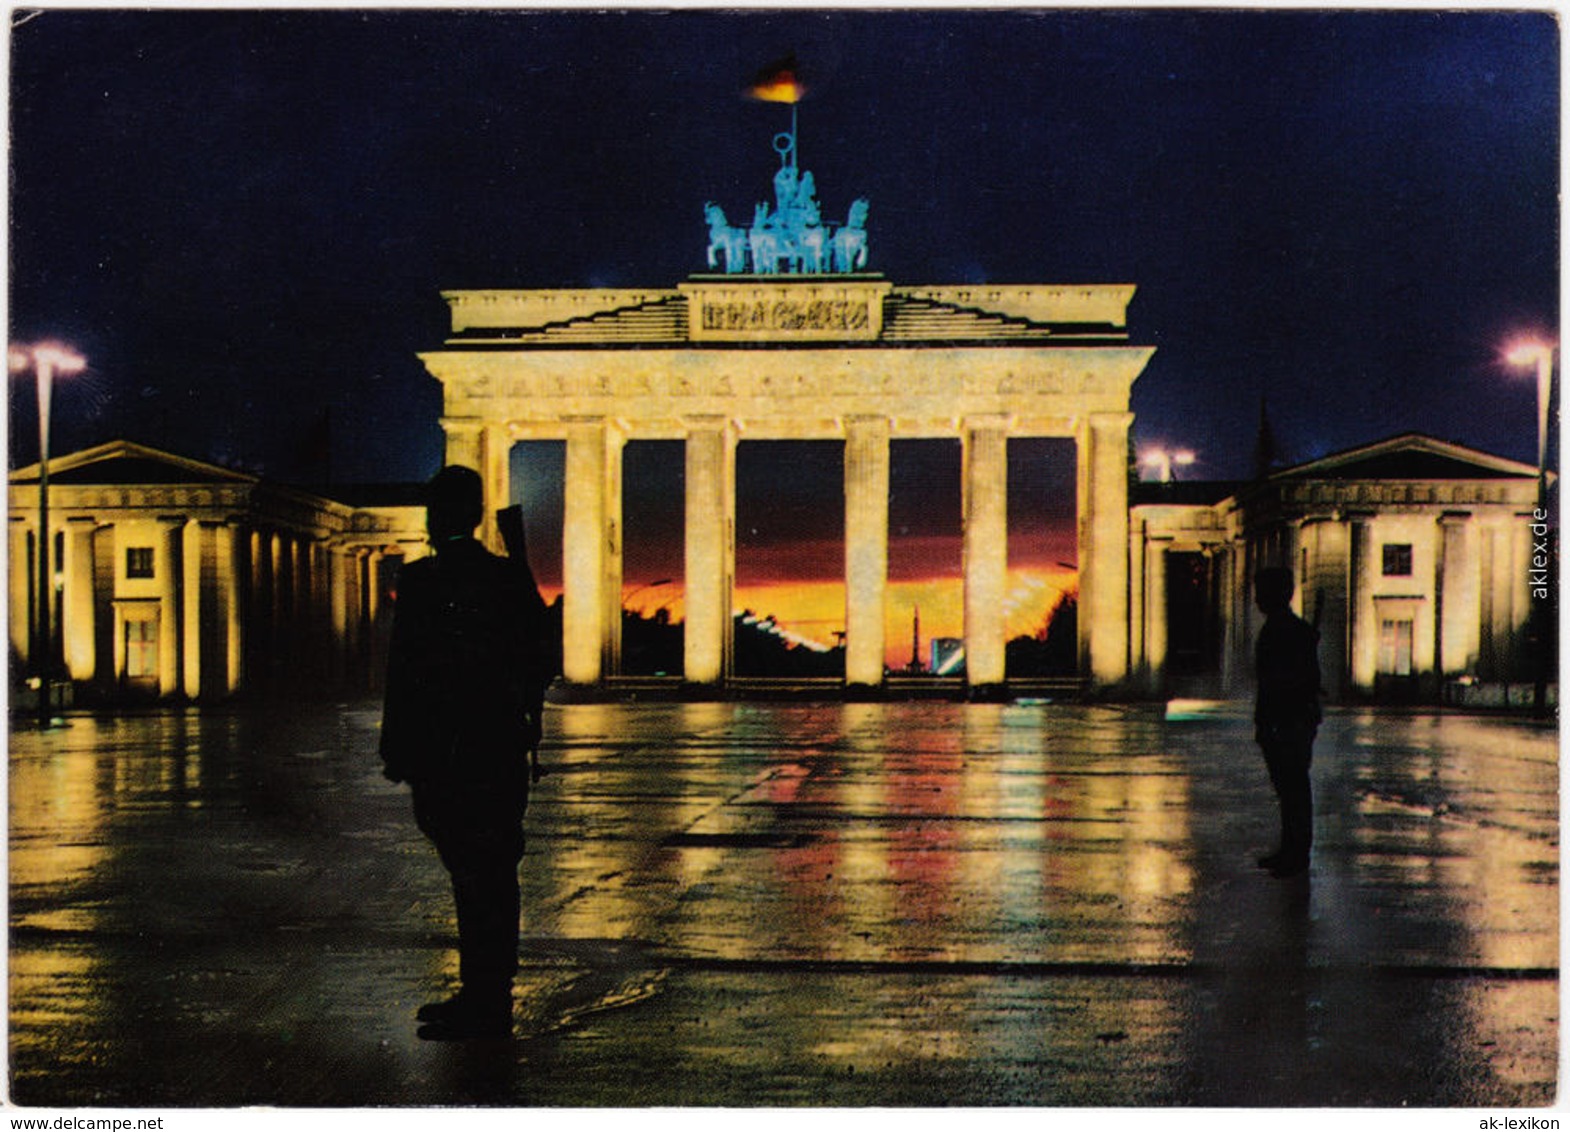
point(626, 600)
point(1164, 461)
point(45, 359)
point(1540, 355)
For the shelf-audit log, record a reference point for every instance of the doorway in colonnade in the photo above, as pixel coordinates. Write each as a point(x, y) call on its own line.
point(789, 593)
point(1042, 604)
point(537, 476)
point(653, 587)
point(924, 603)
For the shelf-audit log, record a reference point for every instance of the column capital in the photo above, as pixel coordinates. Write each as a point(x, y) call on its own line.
point(867, 423)
point(987, 422)
point(1110, 421)
point(710, 422)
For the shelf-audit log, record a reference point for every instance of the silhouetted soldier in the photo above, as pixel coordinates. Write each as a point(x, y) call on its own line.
point(1286, 715)
point(465, 687)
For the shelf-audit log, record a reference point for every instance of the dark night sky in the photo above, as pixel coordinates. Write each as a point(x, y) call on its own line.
point(244, 219)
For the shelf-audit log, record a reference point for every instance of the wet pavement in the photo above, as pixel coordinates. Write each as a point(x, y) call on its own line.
point(787, 904)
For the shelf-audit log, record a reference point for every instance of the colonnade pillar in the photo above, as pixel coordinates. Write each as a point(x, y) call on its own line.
point(231, 556)
point(22, 604)
point(1363, 631)
point(487, 449)
point(985, 486)
point(495, 471)
point(1155, 584)
point(1102, 471)
point(866, 547)
point(170, 644)
point(78, 631)
point(710, 563)
point(591, 551)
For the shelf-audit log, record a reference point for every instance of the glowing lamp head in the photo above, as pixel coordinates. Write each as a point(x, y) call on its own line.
point(61, 359)
point(1528, 353)
point(50, 357)
point(1183, 457)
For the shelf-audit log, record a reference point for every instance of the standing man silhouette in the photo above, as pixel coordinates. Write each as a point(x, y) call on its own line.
point(1286, 715)
point(465, 688)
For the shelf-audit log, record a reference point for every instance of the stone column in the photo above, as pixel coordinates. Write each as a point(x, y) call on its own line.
point(21, 604)
point(231, 556)
point(1457, 630)
point(170, 567)
point(710, 549)
point(1156, 612)
point(866, 547)
point(78, 632)
point(339, 565)
point(591, 552)
point(1139, 602)
point(1102, 468)
point(105, 627)
point(198, 552)
point(495, 470)
point(1518, 593)
point(1363, 627)
point(985, 548)
point(465, 442)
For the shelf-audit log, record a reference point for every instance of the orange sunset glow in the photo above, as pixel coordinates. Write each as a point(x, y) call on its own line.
point(815, 610)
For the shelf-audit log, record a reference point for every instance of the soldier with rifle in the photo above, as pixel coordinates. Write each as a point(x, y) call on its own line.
point(466, 676)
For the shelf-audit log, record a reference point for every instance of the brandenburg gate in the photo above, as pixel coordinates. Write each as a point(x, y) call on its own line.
point(788, 339)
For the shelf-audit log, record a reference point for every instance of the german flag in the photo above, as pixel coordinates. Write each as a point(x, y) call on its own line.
point(778, 82)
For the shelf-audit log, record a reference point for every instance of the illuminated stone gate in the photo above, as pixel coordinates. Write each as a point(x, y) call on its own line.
point(850, 357)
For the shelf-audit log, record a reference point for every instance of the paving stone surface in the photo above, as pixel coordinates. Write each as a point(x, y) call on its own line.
point(796, 904)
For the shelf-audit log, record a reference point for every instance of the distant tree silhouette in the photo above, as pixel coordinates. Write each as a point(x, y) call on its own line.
point(1054, 651)
point(762, 653)
point(651, 646)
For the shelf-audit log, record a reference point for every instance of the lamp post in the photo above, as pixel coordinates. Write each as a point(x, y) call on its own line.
point(45, 359)
point(626, 601)
point(1540, 355)
point(1164, 461)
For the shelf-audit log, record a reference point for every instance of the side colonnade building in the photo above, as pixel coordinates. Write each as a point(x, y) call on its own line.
point(1416, 558)
point(178, 579)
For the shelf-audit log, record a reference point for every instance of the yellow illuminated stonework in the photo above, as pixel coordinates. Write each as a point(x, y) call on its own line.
point(181, 579)
point(853, 358)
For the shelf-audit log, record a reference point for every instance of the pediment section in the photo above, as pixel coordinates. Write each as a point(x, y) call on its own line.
point(1411, 456)
point(926, 320)
point(656, 321)
point(1065, 308)
point(120, 462)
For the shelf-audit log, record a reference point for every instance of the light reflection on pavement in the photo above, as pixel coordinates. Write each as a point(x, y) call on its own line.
point(849, 904)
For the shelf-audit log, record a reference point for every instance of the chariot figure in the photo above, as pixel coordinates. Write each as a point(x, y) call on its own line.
point(789, 237)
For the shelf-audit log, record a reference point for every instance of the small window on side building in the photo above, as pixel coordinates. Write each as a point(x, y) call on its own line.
point(139, 562)
point(1398, 560)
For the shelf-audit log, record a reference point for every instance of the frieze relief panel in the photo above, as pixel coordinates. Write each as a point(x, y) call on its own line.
point(847, 310)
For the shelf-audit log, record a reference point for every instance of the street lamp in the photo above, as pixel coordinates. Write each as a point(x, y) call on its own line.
point(45, 359)
point(626, 601)
point(1164, 461)
point(1541, 355)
